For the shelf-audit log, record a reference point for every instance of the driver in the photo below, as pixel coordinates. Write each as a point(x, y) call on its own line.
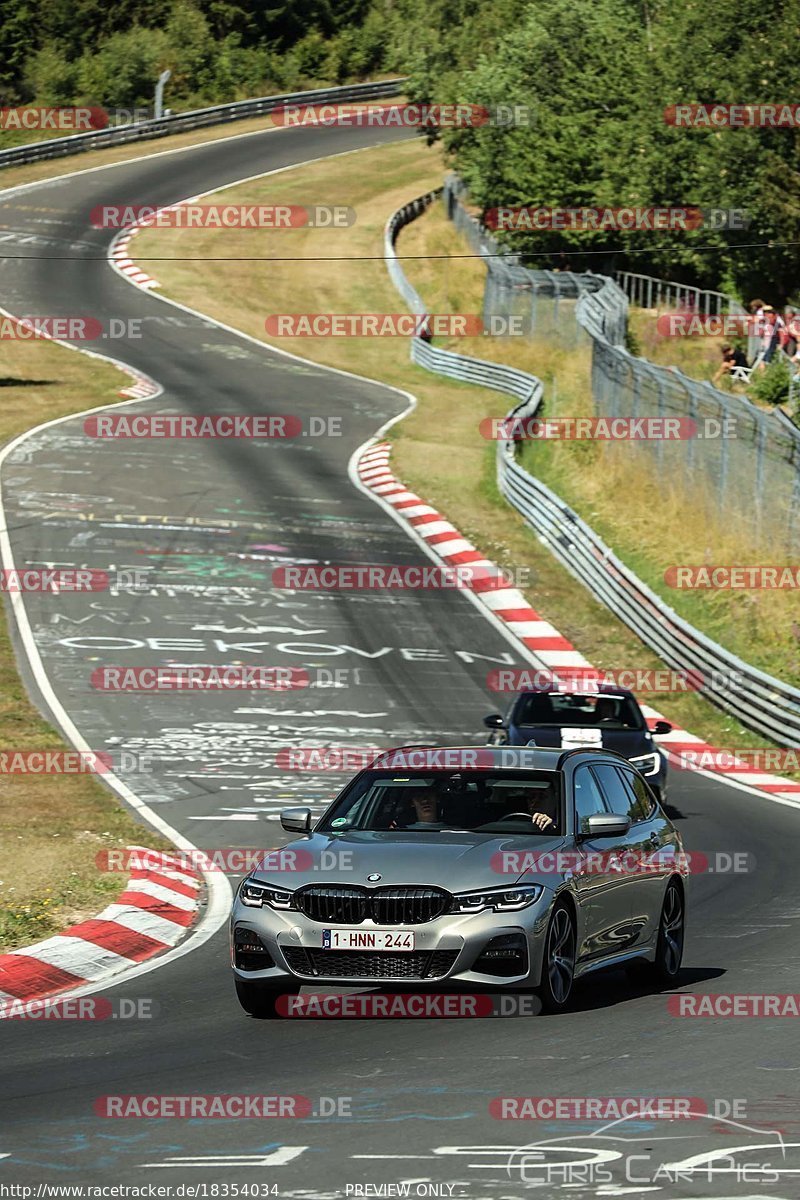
point(533, 801)
point(605, 709)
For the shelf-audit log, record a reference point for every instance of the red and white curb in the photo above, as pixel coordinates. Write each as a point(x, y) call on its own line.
point(537, 635)
point(122, 261)
point(154, 912)
point(142, 388)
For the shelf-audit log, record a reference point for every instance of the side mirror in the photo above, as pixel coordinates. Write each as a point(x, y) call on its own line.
point(662, 727)
point(607, 825)
point(493, 721)
point(296, 820)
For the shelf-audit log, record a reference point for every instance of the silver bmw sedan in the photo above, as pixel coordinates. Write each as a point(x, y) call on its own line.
point(495, 867)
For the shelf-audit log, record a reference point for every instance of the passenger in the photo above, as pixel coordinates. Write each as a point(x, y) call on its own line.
point(426, 808)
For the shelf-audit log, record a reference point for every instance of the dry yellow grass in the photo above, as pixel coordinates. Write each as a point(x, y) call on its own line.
point(437, 449)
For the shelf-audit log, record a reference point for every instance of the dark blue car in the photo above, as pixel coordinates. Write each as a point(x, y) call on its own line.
point(606, 717)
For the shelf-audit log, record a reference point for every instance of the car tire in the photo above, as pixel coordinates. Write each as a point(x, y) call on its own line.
point(671, 935)
point(558, 965)
point(258, 999)
point(665, 969)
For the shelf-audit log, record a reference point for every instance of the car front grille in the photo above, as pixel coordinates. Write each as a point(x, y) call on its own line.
point(366, 964)
point(384, 906)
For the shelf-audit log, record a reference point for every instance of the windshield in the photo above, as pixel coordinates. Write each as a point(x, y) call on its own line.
point(467, 801)
point(576, 709)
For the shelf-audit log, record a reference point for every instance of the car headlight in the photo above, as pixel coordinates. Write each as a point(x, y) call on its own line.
point(256, 895)
point(647, 764)
point(500, 899)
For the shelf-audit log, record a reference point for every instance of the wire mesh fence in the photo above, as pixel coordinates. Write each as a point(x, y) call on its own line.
point(745, 461)
point(762, 701)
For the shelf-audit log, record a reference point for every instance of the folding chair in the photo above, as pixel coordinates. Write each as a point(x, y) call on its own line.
point(742, 374)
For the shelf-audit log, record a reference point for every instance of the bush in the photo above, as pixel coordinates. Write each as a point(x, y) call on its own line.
point(771, 386)
point(49, 78)
point(191, 51)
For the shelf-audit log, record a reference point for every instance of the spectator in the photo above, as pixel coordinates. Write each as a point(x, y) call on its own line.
point(731, 357)
point(773, 323)
point(788, 335)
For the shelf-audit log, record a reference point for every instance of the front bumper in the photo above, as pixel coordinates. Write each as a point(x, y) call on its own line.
point(452, 947)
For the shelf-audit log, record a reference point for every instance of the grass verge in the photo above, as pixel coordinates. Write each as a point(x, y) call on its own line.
point(51, 826)
point(461, 482)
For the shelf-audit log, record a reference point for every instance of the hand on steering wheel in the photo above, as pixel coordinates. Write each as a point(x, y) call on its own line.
point(540, 820)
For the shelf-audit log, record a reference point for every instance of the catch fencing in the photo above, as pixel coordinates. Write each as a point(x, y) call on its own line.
point(761, 701)
point(752, 475)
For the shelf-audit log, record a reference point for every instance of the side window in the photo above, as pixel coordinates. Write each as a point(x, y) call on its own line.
point(644, 800)
point(620, 797)
point(588, 798)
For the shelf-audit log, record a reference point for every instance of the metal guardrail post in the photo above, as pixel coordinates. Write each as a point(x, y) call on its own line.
point(761, 452)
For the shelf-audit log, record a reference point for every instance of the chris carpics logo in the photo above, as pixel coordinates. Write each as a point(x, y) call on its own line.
point(722, 1151)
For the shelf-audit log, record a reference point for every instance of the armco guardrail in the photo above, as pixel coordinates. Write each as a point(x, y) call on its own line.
point(446, 362)
point(764, 703)
point(195, 119)
point(650, 292)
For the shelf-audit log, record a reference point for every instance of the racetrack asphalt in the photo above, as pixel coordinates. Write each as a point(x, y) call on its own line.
point(414, 670)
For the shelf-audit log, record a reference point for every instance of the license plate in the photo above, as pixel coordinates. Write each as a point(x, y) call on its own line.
point(368, 939)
